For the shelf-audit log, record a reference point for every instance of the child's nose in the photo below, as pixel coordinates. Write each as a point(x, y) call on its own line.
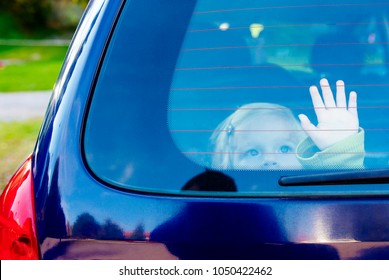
point(269, 162)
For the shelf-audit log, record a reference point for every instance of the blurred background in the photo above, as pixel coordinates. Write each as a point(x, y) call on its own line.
point(34, 38)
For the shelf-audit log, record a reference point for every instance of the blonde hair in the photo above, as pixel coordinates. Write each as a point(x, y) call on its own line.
point(221, 139)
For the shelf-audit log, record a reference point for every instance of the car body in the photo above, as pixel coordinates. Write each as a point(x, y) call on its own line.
point(121, 166)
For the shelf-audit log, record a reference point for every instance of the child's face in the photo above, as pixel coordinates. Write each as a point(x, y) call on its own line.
point(270, 144)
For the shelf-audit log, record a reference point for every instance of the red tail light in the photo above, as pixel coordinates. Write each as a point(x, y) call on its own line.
point(18, 238)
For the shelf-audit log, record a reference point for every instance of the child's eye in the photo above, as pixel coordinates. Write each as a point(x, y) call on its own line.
point(253, 152)
point(285, 149)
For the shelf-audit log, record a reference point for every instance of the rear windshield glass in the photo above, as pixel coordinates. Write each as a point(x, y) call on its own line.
point(233, 95)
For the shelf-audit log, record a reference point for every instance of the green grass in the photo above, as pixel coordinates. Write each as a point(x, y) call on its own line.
point(29, 68)
point(17, 140)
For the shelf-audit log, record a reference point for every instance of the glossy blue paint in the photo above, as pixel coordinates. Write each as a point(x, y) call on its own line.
point(64, 118)
point(78, 216)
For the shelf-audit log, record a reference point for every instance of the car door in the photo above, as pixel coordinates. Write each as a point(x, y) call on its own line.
point(159, 127)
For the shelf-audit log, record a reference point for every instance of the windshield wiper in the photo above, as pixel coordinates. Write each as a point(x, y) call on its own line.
point(377, 176)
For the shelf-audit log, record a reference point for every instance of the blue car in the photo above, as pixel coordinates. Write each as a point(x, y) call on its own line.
point(197, 129)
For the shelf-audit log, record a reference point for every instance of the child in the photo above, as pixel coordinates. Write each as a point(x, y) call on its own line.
point(257, 136)
point(268, 136)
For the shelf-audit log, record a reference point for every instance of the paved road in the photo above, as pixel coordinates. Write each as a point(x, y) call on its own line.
point(23, 105)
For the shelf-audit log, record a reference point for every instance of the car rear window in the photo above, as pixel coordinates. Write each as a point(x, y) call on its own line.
point(231, 96)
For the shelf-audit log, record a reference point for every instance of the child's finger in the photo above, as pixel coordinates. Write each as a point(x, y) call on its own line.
point(340, 95)
point(317, 102)
point(352, 104)
point(306, 124)
point(328, 97)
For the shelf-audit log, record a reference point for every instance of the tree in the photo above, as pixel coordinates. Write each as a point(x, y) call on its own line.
point(31, 14)
point(82, 3)
point(37, 15)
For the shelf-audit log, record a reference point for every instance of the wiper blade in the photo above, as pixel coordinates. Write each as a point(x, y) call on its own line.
point(377, 176)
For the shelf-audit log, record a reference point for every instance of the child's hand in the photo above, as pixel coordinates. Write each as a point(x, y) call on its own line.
point(336, 120)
